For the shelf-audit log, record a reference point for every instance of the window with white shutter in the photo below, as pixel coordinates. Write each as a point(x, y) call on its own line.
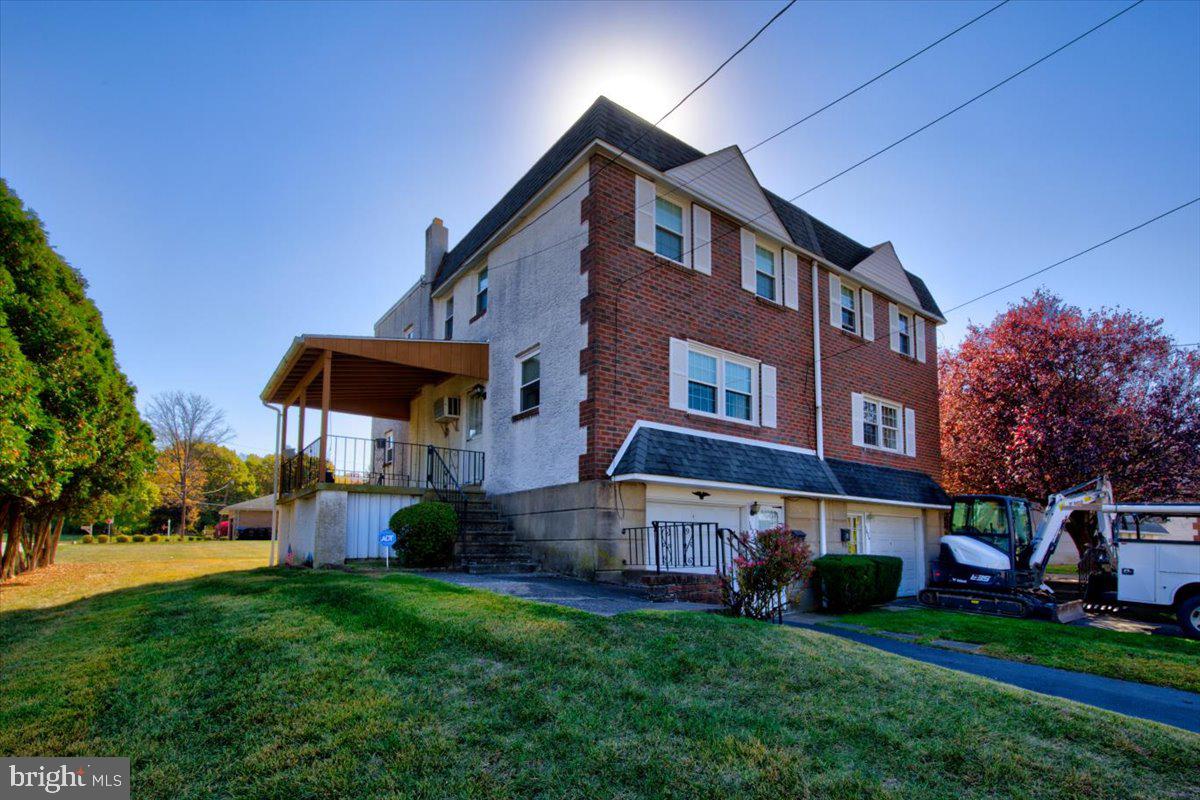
point(878, 424)
point(711, 382)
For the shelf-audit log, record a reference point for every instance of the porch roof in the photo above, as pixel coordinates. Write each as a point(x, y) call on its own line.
point(369, 375)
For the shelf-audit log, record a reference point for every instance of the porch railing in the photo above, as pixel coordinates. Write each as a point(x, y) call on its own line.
point(692, 546)
point(378, 462)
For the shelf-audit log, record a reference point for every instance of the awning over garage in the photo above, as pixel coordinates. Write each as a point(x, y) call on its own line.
point(665, 454)
point(368, 375)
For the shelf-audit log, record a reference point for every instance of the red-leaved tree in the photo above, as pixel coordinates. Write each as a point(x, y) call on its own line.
point(1048, 396)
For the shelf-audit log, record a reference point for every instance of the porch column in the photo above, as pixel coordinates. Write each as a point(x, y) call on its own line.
point(280, 449)
point(325, 389)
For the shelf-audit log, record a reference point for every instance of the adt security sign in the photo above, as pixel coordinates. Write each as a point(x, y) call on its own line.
point(387, 538)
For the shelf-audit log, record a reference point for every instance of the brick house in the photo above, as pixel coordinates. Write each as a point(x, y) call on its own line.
point(666, 342)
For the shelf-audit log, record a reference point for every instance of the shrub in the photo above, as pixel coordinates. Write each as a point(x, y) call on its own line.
point(121, 538)
point(139, 537)
point(846, 583)
point(765, 566)
point(425, 534)
point(154, 537)
point(102, 538)
point(86, 539)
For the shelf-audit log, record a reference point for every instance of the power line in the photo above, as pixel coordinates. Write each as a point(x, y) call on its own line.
point(924, 127)
point(963, 105)
point(674, 190)
point(1058, 263)
point(655, 125)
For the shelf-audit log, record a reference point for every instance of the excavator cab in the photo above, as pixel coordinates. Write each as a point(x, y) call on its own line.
point(1003, 523)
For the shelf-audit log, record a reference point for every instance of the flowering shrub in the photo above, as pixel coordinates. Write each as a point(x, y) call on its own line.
point(763, 567)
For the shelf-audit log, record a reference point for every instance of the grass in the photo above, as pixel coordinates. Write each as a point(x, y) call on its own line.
point(81, 570)
point(304, 684)
point(1062, 569)
point(1160, 660)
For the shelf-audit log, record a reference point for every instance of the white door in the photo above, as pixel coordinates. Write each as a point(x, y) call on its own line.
point(662, 511)
point(897, 536)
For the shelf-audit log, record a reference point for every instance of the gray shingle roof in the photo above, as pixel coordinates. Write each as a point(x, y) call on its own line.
point(654, 451)
point(676, 454)
point(622, 128)
point(887, 483)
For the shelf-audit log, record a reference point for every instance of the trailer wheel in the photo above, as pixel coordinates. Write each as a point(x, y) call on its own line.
point(1188, 614)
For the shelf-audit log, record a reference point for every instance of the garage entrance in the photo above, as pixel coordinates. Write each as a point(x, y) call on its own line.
point(900, 536)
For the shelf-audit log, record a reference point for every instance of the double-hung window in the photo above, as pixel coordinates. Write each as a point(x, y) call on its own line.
point(474, 415)
point(720, 385)
point(481, 292)
point(529, 381)
point(849, 309)
point(668, 229)
point(881, 424)
point(448, 322)
point(904, 334)
point(764, 272)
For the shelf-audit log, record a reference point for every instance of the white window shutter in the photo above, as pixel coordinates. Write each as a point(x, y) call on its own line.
point(920, 338)
point(644, 197)
point(856, 417)
point(791, 280)
point(686, 220)
point(910, 432)
point(748, 241)
point(835, 300)
point(868, 316)
point(701, 239)
point(767, 374)
point(679, 373)
point(894, 326)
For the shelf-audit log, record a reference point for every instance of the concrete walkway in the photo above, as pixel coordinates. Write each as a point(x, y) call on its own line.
point(1159, 704)
point(597, 598)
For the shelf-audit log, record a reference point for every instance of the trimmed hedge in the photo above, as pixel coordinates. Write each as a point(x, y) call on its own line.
point(844, 583)
point(121, 538)
point(154, 537)
point(102, 538)
point(139, 537)
point(425, 534)
point(86, 539)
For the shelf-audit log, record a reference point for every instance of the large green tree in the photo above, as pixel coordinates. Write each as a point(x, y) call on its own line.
point(71, 430)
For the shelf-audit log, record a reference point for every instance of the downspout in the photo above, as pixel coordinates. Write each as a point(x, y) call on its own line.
point(275, 486)
point(822, 547)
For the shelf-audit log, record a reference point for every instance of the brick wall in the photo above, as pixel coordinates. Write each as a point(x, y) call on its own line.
point(874, 368)
point(638, 301)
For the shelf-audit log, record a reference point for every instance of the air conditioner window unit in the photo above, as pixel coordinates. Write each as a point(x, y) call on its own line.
point(446, 409)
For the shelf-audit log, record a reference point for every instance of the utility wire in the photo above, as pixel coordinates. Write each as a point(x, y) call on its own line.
point(674, 190)
point(921, 129)
point(1085, 251)
point(655, 125)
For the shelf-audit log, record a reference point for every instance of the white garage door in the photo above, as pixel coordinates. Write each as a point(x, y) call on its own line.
point(723, 516)
point(898, 536)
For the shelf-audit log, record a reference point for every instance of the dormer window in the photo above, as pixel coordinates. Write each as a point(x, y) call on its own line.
point(849, 309)
point(668, 229)
point(764, 266)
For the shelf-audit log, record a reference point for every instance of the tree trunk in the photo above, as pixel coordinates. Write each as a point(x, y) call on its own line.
point(183, 503)
point(12, 545)
point(54, 540)
point(41, 542)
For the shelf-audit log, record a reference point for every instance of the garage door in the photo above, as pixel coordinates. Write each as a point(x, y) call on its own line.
point(723, 516)
point(898, 536)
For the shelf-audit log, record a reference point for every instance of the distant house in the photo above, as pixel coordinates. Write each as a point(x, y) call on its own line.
point(249, 519)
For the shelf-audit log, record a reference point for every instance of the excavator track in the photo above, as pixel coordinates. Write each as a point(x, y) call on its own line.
point(1014, 606)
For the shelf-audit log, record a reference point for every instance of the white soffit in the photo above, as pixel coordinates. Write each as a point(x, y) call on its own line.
point(885, 269)
point(725, 178)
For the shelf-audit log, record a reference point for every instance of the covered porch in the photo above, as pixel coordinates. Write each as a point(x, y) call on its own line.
point(336, 492)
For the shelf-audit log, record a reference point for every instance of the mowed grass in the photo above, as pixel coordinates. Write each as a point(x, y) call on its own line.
point(81, 570)
point(1161, 660)
point(311, 684)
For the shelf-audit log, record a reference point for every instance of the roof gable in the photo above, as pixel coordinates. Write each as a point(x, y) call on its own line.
point(725, 179)
point(883, 266)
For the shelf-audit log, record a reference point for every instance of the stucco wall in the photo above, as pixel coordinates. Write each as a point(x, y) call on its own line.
point(576, 528)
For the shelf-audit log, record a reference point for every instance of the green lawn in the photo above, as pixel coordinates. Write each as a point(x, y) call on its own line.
point(81, 570)
point(310, 684)
point(1161, 660)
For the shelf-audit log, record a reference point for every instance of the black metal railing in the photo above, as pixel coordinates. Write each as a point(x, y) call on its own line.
point(446, 485)
point(377, 462)
point(667, 546)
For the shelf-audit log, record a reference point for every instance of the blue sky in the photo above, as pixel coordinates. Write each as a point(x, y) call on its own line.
point(227, 176)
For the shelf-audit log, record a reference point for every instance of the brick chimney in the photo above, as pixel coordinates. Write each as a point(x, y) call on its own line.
point(437, 241)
